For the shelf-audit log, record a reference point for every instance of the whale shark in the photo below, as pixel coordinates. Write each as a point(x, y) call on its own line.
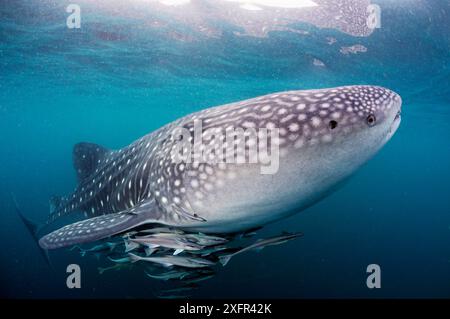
point(323, 137)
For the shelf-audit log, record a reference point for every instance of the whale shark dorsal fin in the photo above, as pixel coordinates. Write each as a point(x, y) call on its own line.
point(87, 157)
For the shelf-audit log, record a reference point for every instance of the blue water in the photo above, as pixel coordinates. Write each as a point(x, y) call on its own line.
point(114, 80)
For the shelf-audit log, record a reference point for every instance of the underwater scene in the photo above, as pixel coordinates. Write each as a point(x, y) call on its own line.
point(207, 149)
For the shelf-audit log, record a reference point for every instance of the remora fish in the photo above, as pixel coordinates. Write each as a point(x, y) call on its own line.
point(179, 244)
point(168, 261)
point(105, 248)
point(178, 241)
point(209, 250)
point(260, 244)
point(157, 230)
point(173, 274)
point(324, 136)
point(199, 278)
point(122, 260)
point(101, 270)
point(198, 238)
point(206, 240)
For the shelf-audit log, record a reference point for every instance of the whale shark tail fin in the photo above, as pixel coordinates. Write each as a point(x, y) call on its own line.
point(33, 228)
point(87, 157)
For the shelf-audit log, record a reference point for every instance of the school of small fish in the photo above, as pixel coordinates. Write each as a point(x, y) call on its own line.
point(173, 255)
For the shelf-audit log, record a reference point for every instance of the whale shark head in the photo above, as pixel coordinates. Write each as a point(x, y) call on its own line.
point(324, 136)
point(344, 127)
point(361, 118)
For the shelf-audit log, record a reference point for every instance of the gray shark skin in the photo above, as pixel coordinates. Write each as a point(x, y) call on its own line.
point(324, 136)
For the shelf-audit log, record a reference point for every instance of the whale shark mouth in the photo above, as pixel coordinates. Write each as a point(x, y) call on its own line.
point(395, 124)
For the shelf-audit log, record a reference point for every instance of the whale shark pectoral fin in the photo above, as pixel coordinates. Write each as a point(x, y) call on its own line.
point(100, 227)
point(87, 157)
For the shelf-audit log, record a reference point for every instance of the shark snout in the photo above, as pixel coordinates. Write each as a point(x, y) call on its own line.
point(393, 113)
point(397, 106)
point(397, 100)
point(388, 104)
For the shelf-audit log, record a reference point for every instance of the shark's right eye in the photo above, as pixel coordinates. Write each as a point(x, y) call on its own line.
point(371, 120)
point(332, 124)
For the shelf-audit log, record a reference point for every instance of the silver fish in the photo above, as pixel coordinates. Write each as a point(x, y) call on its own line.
point(198, 238)
point(179, 244)
point(122, 260)
point(209, 250)
point(199, 279)
point(173, 274)
point(101, 270)
point(260, 244)
point(169, 261)
point(105, 247)
point(206, 240)
point(157, 230)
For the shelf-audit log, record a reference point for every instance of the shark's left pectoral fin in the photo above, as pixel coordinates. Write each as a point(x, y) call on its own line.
point(97, 228)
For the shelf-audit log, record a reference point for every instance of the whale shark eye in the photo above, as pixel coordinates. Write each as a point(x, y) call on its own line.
point(332, 124)
point(371, 119)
